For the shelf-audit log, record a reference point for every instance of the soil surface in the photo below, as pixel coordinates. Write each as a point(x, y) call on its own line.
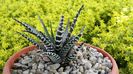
point(88, 61)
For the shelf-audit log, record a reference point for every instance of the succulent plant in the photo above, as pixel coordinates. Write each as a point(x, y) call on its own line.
point(58, 48)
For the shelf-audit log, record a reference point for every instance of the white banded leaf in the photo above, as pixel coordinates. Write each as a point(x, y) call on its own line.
point(55, 58)
point(75, 20)
point(59, 33)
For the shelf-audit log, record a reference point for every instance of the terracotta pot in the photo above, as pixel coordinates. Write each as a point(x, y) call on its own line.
point(11, 60)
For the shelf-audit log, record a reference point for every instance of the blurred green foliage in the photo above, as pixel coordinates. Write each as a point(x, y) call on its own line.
point(109, 25)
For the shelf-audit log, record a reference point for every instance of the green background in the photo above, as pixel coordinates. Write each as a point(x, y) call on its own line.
point(109, 25)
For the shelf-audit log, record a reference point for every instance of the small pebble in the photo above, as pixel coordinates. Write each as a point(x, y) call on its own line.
point(26, 72)
point(60, 69)
point(102, 72)
point(81, 69)
point(54, 66)
point(40, 66)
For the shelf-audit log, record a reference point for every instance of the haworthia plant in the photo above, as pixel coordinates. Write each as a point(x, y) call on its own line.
point(58, 48)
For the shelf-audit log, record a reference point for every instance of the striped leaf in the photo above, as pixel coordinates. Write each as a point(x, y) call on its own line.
point(70, 57)
point(59, 33)
point(44, 38)
point(65, 34)
point(47, 42)
point(38, 35)
point(63, 52)
point(75, 20)
point(71, 44)
point(27, 26)
point(53, 57)
point(41, 36)
point(45, 29)
point(30, 29)
point(52, 34)
point(80, 34)
point(29, 39)
point(49, 38)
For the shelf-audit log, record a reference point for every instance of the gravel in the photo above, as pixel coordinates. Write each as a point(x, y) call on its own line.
point(89, 61)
